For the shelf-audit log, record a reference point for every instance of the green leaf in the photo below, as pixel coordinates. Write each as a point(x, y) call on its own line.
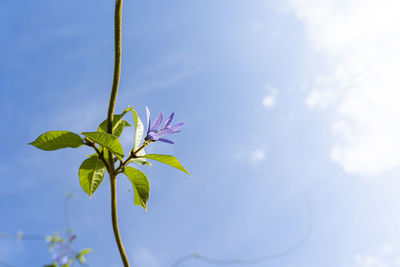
point(91, 173)
point(141, 186)
point(53, 240)
point(167, 159)
point(139, 129)
point(108, 141)
point(56, 238)
point(121, 125)
point(118, 124)
point(54, 140)
point(81, 255)
point(85, 251)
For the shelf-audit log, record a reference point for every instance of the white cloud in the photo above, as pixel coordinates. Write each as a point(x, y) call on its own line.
point(359, 42)
point(270, 99)
point(257, 156)
point(253, 154)
point(386, 255)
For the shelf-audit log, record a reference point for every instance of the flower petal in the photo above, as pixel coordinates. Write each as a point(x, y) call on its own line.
point(165, 140)
point(156, 136)
point(157, 122)
point(152, 136)
point(177, 126)
point(168, 121)
point(148, 119)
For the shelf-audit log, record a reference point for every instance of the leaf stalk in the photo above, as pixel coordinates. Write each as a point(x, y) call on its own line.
point(101, 154)
point(132, 155)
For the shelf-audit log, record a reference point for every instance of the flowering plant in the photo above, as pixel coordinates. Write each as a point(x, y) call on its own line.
point(109, 154)
point(63, 254)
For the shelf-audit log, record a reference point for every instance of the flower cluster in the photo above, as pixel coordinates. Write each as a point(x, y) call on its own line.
point(62, 250)
point(156, 134)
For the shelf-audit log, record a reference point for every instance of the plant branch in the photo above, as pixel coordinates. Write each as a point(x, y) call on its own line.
point(132, 155)
point(110, 119)
point(101, 154)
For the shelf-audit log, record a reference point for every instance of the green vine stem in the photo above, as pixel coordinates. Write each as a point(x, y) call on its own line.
point(117, 63)
point(113, 182)
point(110, 119)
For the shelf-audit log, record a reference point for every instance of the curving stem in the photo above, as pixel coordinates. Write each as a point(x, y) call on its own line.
point(113, 182)
point(110, 119)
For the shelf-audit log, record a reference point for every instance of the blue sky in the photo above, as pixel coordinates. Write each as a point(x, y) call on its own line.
point(282, 101)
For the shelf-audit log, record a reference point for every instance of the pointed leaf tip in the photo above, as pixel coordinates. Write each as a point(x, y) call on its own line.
point(54, 140)
point(169, 160)
point(141, 186)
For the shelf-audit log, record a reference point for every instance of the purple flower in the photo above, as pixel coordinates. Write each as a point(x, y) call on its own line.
point(63, 251)
point(155, 134)
point(62, 254)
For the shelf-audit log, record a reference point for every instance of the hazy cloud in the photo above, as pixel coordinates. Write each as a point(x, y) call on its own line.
point(358, 41)
point(270, 99)
point(257, 156)
point(386, 255)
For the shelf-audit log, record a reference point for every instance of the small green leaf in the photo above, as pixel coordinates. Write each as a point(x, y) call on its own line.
point(81, 255)
point(56, 238)
point(108, 141)
point(139, 129)
point(54, 140)
point(118, 124)
point(121, 125)
point(85, 251)
point(167, 159)
point(53, 240)
point(91, 173)
point(141, 186)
